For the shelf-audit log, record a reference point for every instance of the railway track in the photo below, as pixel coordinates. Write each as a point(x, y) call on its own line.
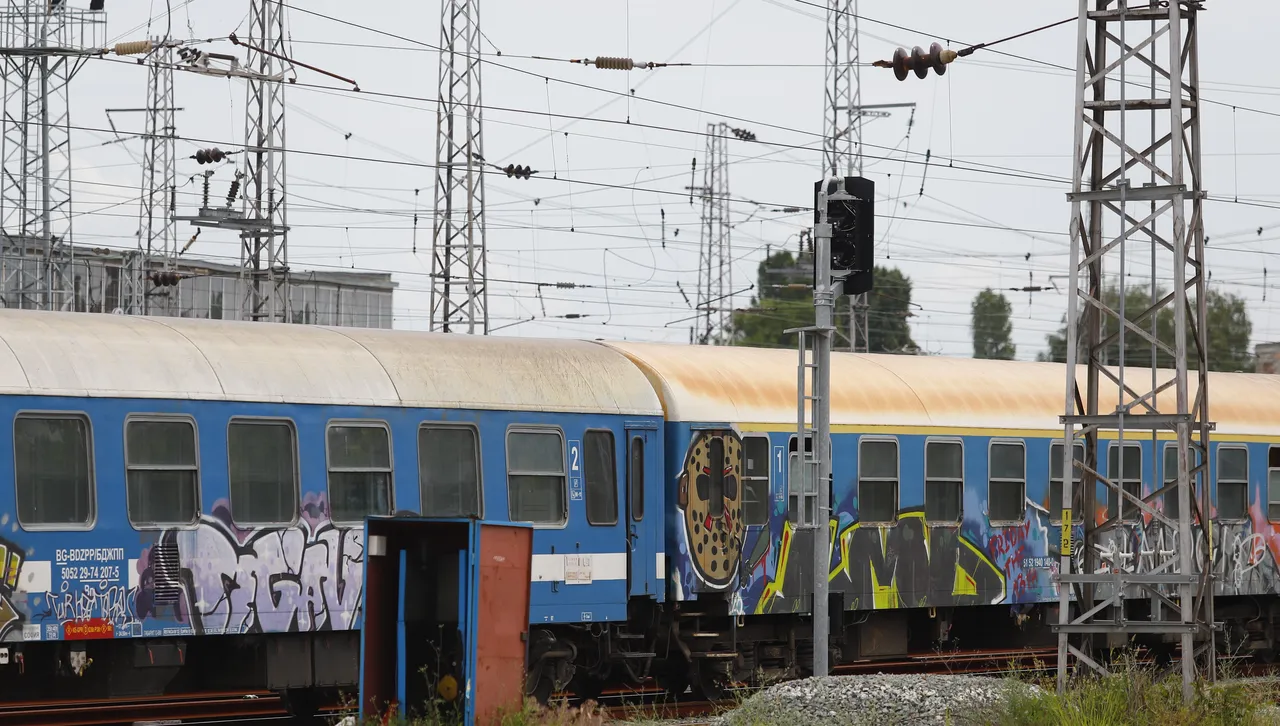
point(201, 706)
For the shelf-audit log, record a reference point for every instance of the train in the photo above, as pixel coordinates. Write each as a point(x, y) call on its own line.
point(182, 502)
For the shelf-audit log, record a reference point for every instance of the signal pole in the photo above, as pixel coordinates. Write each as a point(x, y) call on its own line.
point(843, 262)
point(1122, 232)
point(812, 397)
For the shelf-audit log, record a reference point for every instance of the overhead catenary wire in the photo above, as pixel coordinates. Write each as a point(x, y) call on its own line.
point(635, 186)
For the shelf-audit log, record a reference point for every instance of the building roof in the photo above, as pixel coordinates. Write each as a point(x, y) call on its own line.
point(758, 386)
point(84, 354)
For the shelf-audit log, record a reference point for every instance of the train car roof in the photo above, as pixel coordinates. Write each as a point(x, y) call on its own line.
point(83, 354)
point(758, 386)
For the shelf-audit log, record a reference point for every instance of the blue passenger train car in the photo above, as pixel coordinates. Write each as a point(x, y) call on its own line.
point(181, 502)
point(174, 480)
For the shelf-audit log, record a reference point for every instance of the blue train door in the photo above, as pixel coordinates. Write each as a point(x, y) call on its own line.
point(642, 556)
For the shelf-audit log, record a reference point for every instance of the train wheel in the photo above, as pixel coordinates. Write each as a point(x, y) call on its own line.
point(543, 689)
point(710, 684)
point(674, 678)
point(586, 687)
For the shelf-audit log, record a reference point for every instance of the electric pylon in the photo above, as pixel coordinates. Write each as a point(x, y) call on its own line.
point(1144, 571)
point(264, 251)
point(459, 293)
point(42, 45)
point(715, 253)
point(157, 229)
point(842, 150)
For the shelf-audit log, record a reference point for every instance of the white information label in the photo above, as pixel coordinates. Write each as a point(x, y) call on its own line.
point(577, 569)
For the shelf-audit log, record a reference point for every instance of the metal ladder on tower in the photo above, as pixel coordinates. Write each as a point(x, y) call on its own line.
point(806, 427)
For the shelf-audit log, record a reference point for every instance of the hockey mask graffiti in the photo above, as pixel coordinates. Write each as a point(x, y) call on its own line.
point(710, 496)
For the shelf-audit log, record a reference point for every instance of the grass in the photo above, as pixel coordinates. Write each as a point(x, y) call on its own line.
point(529, 714)
point(1137, 695)
point(1133, 694)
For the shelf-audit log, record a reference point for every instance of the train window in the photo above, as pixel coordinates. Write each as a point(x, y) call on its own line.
point(53, 470)
point(1055, 477)
point(943, 481)
point(535, 477)
point(636, 474)
point(715, 475)
point(1007, 482)
point(601, 476)
point(1233, 483)
point(877, 481)
point(161, 472)
point(449, 471)
point(755, 481)
point(359, 458)
point(262, 471)
point(1130, 479)
point(1273, 484)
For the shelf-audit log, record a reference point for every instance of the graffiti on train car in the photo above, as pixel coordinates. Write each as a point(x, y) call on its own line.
point(709, 497)
point(11, 559)
point(1244, 557)
point(301, 578)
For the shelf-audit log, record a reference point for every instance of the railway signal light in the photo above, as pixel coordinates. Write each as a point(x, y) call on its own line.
point(919, 61)
point(851, 214)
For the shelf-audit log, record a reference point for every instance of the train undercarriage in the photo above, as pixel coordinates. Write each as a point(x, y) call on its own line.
point(698, 648)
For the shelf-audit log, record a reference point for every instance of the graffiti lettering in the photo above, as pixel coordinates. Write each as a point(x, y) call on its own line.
point(307, 577)
point(914, 564)
point(111, 603)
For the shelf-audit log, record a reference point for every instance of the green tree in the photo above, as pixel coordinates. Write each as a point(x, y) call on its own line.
point(1228, 324)
point(992, 328)
point(785, 300)
point(889, 307)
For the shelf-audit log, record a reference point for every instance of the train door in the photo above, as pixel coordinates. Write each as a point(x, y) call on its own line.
point(642, 472)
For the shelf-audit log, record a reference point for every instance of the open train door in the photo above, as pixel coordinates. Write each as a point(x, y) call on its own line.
point(502, 620)
point(446, 617)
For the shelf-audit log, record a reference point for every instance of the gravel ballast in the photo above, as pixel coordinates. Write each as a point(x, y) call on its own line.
point(873, 699)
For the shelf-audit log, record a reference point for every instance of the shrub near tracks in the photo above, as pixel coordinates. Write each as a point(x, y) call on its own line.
point(1135, 696)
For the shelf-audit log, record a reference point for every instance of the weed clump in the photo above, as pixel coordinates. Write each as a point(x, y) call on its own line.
point(1137, 695)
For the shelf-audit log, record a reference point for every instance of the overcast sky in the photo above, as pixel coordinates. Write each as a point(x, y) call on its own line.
point(759, 67)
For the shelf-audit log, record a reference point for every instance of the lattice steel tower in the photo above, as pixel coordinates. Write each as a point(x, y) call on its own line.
point(842, 147)
point(459, 293)
point(715, 253)
point(1137, 216)
point(264, 251)
point(43, 46)
point(157, 229)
